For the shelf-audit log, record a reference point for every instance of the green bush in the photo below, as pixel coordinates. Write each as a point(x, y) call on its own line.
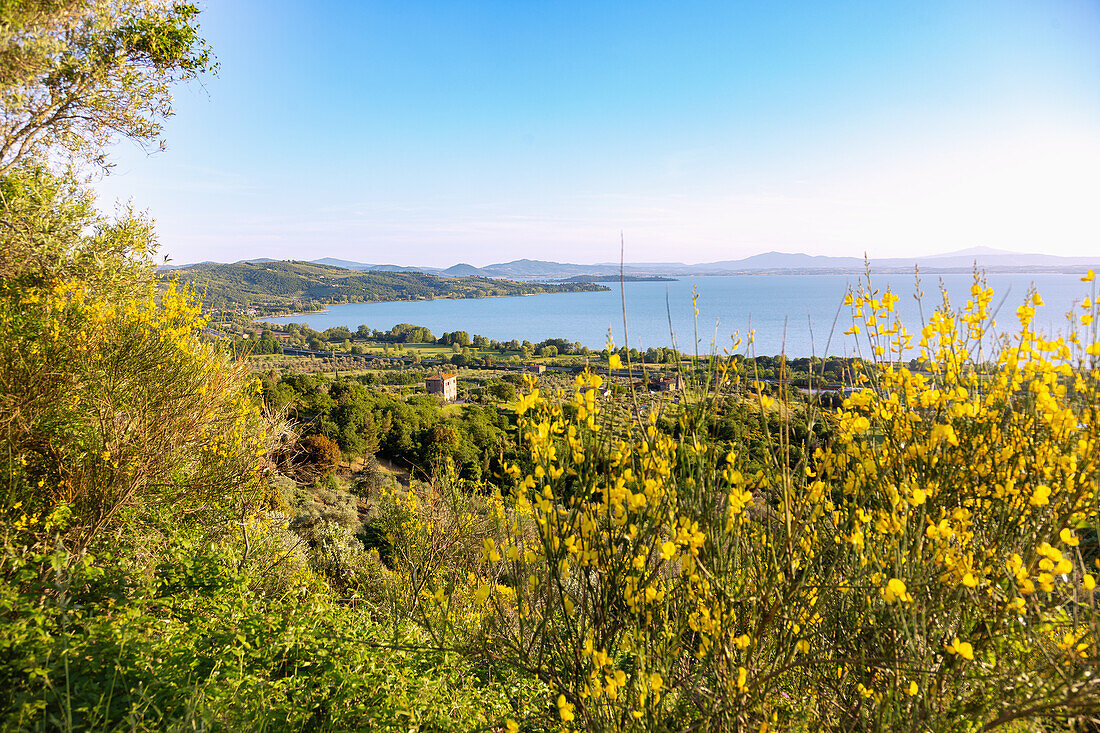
point(204, 643)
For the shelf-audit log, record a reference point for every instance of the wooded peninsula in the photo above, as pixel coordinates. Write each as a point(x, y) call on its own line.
point(276, 287)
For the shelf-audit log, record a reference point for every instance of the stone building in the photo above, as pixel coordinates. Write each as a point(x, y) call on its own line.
point(667, 383)
point(445, 385)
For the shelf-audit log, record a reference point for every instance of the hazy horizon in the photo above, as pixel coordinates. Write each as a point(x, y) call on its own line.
point(977, 252)
point(429, 134)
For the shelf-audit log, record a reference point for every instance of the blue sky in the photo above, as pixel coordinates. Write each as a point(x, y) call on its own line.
point(435, 133)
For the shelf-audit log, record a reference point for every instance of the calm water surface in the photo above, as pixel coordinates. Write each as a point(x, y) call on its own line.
point(794, 313)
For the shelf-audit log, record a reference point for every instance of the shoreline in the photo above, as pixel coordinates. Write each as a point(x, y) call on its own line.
point(292, 315)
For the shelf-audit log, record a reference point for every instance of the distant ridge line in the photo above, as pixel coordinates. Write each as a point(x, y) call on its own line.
point(987, 258)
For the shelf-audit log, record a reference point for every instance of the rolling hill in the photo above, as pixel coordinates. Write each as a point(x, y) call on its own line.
point(281, 286)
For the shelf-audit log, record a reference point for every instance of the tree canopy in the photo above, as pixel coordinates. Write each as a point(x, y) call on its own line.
point(75, 73)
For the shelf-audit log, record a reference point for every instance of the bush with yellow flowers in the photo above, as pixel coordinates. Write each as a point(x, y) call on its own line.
point(931, 566)
point(961, 494)
point(112, 405)
point(149, 579)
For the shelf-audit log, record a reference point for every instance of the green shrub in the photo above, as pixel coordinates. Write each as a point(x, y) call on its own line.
point(209, 641)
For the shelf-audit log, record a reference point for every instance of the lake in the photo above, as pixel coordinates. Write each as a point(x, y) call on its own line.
point(794, 313)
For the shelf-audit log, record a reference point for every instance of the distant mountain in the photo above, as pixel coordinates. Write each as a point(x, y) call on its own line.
point(404, 268)
point(541, 268)
point(346, 264)
point(792, 262)
point(464, 270)
point(999, 259)
point(365, 267)
point(782, 260)
point(991, 260)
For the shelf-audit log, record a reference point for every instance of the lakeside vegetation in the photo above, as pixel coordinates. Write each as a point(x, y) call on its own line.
point(198, 538)
point(419, 345)
point(275, 287)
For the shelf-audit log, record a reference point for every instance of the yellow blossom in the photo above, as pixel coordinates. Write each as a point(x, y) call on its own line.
point(1041, 495)
point(961, 648)
point(895, 591)
point(565, 709)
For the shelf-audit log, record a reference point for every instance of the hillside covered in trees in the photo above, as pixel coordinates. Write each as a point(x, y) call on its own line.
point(279, 285)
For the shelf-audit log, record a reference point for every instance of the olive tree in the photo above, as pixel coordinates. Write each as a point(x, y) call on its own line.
point(76, 73)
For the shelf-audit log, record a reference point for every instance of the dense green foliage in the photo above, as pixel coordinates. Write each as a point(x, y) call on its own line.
point(194, 633)
point(53, 231)
point(413, 432)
